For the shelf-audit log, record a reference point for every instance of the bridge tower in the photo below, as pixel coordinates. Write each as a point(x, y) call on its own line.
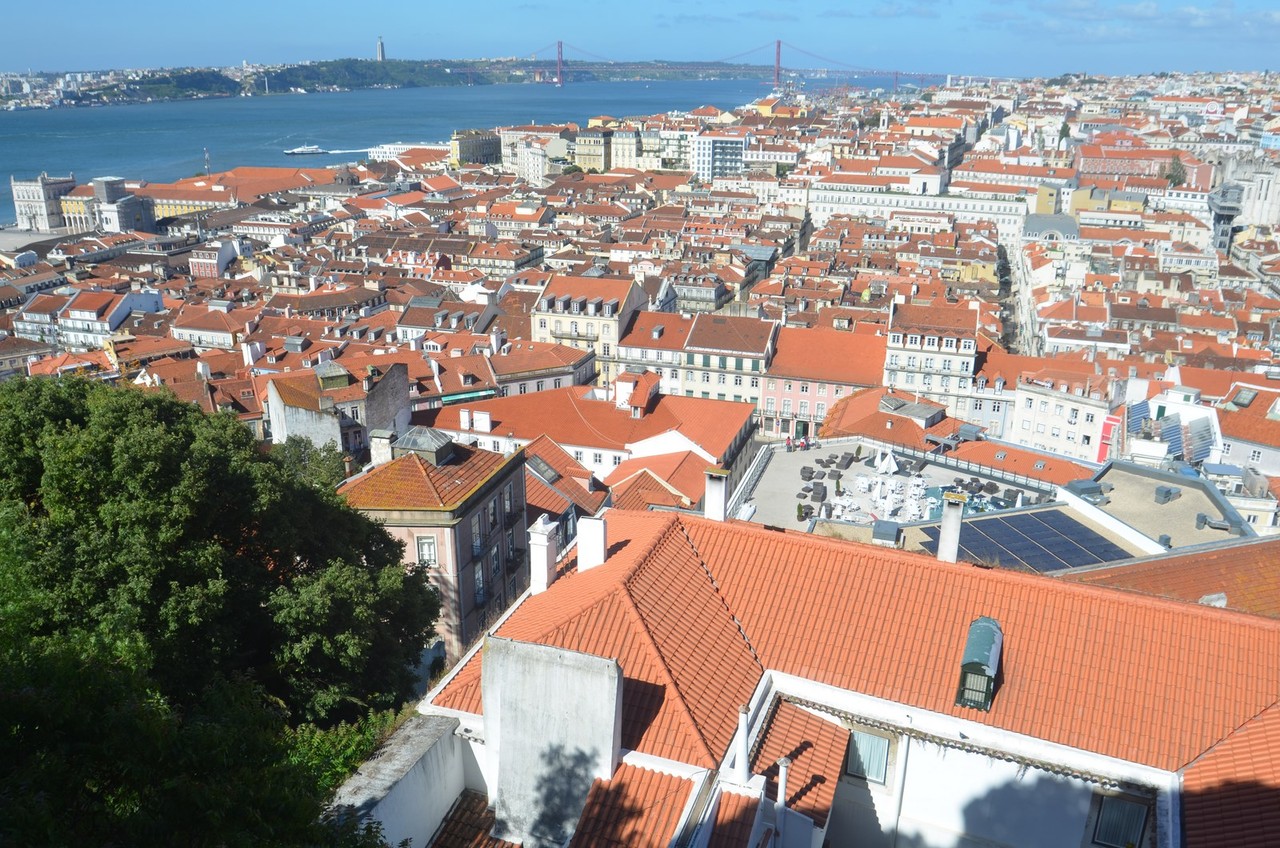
point(559, 63)
point(777, 64)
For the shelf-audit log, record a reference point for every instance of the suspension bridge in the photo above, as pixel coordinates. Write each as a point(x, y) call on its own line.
point(583, 64)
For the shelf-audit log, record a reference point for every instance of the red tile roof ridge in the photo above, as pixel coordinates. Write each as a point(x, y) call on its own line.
point(1229, 736)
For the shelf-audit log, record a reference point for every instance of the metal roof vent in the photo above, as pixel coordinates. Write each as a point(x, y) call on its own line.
point(980, 665)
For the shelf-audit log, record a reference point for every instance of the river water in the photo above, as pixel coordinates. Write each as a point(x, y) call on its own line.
point(166, 141)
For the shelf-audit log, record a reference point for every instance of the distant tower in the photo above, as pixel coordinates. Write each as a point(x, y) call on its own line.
point(382, 53)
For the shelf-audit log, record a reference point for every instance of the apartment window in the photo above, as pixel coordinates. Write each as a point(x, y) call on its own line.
point(606, 348)
point(804, 388)
point(426, 551)
point(786, 387)
point(617, 459)
point(1044, 406)
point(911, 362)
point(542, 323)
point(1226, 449)
point(977, 405)
point(868, 756)
point(755, 382)
point(1030, 403)
point(893, 360)
point(948, 344)
point(1255, 456)
point(786, 406)
point(1057, 409)
point(706, 376)
point(737, 379)
point(820, 410)
point(688, 375)
point(769, 405)
point(577, 456)
point(720, 379)
point(475, 530)
point(804, 408)
point(773, 384)
point(913, 341)
point(1120, 822)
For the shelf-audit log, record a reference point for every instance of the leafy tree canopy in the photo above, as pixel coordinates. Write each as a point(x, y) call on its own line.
point(172, 601)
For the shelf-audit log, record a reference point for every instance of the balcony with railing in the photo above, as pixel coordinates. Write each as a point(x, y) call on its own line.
point(576, 335)
point(516, 560)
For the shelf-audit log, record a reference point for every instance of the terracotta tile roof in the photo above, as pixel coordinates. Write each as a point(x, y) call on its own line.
point(859, 414)
point(571, 416)
point(1246, 573)
point(644, 491)
point(947, 319)
point(1187, 686)
point(831, 356)
point(636, 808)
point(1230, 794)
point(1158, 653)
point(735, 818)
point(468, 824)
point(1037, 466)
point(686, 666)
point(734, 335)
point(411, 482)
point(684, 472)
point(575, 479)
point(816, 748)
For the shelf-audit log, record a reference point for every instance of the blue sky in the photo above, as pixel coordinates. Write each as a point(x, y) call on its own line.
point(1029, 37)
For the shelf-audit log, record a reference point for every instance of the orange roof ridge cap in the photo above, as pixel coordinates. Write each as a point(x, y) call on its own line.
point(683, 703)
point(1209, 750)
point(737, 622)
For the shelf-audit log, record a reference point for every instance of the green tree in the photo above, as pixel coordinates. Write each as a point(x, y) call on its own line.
point(172, 602)
point(1176, 173)
point(323, 467)
point(138, 521)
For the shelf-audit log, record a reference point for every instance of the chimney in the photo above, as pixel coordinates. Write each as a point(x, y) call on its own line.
point(593, 543)
point(741, 768)
point(543, 542)
point(464, 419)
point(380, 446)
point(715, 502)
point(949, 534)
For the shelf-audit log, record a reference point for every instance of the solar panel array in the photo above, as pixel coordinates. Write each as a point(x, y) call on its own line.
point(1044, 540)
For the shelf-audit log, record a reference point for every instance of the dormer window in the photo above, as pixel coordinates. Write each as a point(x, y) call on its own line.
point(913, 341)
point(931, 341)
point(980, 664)
point(967, 345)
